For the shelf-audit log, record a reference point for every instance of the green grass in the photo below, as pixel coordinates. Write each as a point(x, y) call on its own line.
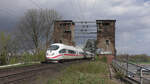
point(86, 73)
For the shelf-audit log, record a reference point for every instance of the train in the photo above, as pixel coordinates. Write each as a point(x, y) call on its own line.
point(59, 52)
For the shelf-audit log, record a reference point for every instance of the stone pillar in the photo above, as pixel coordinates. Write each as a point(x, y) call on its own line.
point(106, 38)
point(64, 32)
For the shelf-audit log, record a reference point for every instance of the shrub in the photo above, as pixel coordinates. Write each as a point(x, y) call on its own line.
point(3, 58)
point(41, 56)
point(13, 60)
point(26, 57)
point(104, 59)
point(119, 75)
point(97, 58)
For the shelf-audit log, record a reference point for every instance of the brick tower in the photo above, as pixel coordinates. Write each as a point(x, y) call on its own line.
point(106, 38)
point(64, 32)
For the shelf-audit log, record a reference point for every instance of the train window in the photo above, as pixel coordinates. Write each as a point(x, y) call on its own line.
point(82, 53)
point(54, 47)
point(62, 51)
point(71, 52)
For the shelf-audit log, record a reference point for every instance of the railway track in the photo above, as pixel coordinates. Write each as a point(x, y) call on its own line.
point(14, 76)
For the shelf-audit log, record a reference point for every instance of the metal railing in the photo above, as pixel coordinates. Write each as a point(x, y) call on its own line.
point(139, 74)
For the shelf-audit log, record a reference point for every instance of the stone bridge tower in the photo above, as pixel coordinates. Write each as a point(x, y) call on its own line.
point(64, 32)
point(106, 38)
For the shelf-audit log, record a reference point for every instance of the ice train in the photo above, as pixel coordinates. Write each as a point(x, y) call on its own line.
point(60, 52)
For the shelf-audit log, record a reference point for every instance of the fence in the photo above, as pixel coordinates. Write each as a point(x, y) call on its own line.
point(139, 74)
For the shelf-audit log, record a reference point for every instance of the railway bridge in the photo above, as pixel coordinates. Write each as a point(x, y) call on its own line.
point(102, 31)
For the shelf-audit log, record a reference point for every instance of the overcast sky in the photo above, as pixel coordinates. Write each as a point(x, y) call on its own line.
point(132, 25)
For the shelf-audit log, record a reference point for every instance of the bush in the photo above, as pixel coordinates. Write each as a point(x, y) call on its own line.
point(14, 60)
point(97, 58)
point(104, 59)
point(119, 75)
point(26, 57)
point(41, 56)
point(3, 59)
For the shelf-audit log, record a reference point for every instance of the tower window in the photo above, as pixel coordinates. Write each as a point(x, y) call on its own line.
point(60, 41)
point(99, 30)
point(107, 42)
point(106, 24)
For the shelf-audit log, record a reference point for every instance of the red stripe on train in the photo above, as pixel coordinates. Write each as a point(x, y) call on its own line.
point(55, 56)
point(65, 54)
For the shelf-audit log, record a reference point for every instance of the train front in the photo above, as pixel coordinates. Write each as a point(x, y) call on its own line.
point(52, 53)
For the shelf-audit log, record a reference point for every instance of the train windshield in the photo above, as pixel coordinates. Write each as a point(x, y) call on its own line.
point(53, 47)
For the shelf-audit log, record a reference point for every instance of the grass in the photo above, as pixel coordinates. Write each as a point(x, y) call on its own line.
point(95, 72)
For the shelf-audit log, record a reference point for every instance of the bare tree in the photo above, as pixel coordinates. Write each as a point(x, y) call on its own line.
point(49, 17)
point(36, 26)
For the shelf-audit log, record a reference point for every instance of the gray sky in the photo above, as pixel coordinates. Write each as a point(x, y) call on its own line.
point(132, 25)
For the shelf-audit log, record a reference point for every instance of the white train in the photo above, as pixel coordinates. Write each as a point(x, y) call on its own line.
point(60, 52)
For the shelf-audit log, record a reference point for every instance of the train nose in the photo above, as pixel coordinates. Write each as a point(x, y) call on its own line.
point(49, 54)
point(48, 51)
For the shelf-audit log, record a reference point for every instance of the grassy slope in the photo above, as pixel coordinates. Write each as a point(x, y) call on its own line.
point(86, 73)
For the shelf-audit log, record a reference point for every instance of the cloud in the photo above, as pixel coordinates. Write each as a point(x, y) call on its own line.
point(132, 25)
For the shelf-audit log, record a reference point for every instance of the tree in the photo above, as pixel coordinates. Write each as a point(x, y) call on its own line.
point(49, 16)
point(35, 27)
point(5, 42)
